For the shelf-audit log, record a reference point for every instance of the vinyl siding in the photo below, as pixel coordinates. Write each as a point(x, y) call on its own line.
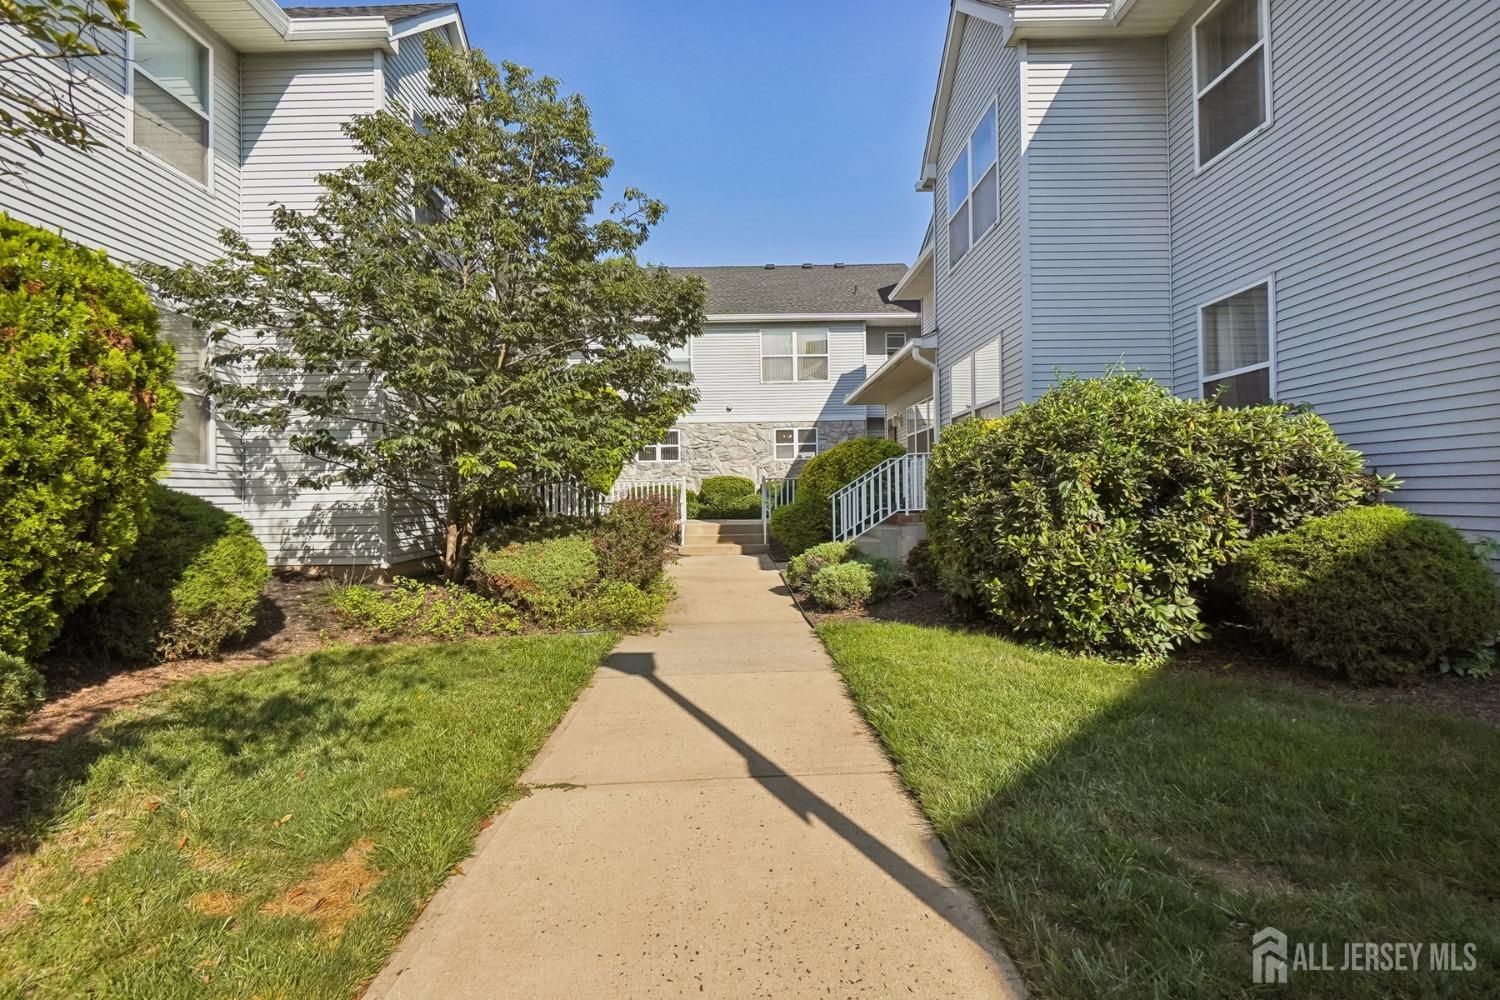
point(1095, 140)
point(980, 299)
point(1373, 200)
point(726, 370)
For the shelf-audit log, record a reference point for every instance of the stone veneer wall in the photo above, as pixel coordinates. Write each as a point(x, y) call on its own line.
point(736, 449)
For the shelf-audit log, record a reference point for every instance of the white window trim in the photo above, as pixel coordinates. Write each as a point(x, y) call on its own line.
point(1204, 377)
point(656, 448)
point(131, 69)
point(827, 357)
point(975, 404)
point(212, 465)
point(1198, 92)
point(994, 112)
point(905, 338)
point(796, 444)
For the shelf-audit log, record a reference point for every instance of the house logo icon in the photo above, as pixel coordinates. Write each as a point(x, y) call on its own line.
point(1268, 956)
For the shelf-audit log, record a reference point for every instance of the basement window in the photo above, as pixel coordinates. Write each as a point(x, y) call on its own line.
point(669, 450)
point(792, 443)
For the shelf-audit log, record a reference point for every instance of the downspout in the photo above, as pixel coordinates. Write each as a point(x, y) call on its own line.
point(937, 430)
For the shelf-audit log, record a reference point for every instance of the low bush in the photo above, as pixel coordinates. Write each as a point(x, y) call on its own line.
point(800, 570)
point(920, 565)
point(1375, 594)
point(843, 586)
point(540, 574)
point(694, 506)
point(634, 540)
point(21, 691)
point(192, 583)
point(619, 607)
point(413, 610)
point(806, 521)
point(1087, 519)
point(87, 408)
point(717, 490)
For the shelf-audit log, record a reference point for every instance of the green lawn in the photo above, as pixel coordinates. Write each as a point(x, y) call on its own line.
point(1129, 830)
point(273, 833)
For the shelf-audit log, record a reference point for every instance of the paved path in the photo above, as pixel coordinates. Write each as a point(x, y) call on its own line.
point(713, 819)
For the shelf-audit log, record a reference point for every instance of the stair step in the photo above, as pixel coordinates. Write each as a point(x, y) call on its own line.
point(725, 549)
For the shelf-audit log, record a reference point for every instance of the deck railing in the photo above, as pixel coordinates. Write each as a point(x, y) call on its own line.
point(577, 500)
point(896, 486)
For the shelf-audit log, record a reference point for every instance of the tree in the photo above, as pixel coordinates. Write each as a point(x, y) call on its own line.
point(40, 83)
point(456, 300)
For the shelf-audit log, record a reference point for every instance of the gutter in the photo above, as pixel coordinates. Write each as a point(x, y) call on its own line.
point(311, 31)
point(937, 420)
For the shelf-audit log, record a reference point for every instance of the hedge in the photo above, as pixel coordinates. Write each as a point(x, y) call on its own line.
point(192, 583)
point(87, 409)
point(1087, 519)
point(21, 690)
point(1375, 594)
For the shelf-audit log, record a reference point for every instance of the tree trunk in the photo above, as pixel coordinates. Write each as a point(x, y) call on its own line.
point(458, 537)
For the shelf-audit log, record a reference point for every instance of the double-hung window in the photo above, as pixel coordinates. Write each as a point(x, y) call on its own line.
point(894, 342)
point(791, 443)
point(1231, 75)
point(669, 450)
point(678, 358)
point(794, 355)
point(193, 437)
point(1237, 335)
point(171, 76)
point(973, 189)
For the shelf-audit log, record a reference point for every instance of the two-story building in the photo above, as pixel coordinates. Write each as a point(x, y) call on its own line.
point(783, 347)
point(1275, 199)
point(216, 112)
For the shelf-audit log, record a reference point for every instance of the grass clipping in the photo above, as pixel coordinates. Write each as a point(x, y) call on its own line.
point(333, 894)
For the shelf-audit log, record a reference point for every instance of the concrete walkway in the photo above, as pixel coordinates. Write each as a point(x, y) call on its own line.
point(712, 818)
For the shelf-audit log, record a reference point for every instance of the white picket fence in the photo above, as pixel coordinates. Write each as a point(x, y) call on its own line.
point(577, 500)
point(774, 493)
point(896, 486)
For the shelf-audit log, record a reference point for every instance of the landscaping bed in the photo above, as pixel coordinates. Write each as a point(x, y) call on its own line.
point(271, 832)
point(1128, 828)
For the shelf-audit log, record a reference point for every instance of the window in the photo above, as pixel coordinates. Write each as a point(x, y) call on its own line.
point(916, 428)
point(794, 355)
point(170, 77)
point(1237, 334)
point(678, 358)
point(973, 189)
point(193, 438)
point(1231, 75)
point(974, 382)
point(894, 342)
point(792, 443)
point(670, 450)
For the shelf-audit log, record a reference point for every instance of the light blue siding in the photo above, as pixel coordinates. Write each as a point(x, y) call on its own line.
point(1374, 200)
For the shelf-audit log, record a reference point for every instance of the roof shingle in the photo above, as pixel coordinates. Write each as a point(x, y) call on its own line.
point(799, 289)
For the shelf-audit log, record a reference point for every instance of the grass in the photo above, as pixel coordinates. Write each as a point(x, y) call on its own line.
point(1128, 830)
point(272, 833)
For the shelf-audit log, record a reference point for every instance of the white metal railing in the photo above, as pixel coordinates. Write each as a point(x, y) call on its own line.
point(774, 493)
point(896, 486)
point(577, 500)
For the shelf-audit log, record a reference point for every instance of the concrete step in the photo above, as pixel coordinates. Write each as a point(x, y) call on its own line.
point(725, 549)
point(722, 531)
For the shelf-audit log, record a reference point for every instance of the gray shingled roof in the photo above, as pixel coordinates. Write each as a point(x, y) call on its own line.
point(389, 11)
point(794, 288)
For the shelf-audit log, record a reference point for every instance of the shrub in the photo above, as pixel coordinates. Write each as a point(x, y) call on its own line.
point(541, 574)
point(1086, 519)
point(1374, 593)
point(619, 606)
point(694, 506)
point(717, 490)
point(87, 408)
point(633, 541)
point(799, 572)
point(920, 565)
point(414, 610)
point(21, 691)
point(742, 508)
point(806, 521)
point(192, 583)
point(842, 586)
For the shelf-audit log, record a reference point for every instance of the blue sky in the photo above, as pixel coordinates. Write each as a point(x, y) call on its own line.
point(775, 130)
